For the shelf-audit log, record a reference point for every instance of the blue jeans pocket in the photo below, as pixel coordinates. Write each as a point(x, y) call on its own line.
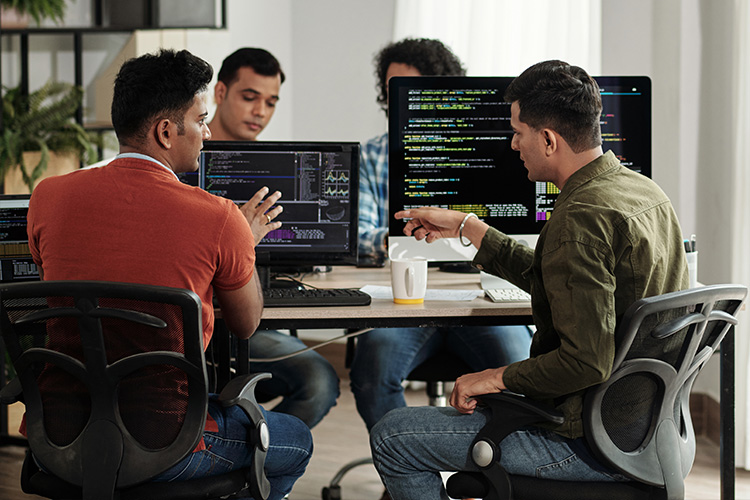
point(574, 467)
point(557, 470)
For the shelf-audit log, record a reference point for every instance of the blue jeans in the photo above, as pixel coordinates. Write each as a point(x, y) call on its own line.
point(307, 382)
point(289, 452)
point(411, 445)
point(385, 356)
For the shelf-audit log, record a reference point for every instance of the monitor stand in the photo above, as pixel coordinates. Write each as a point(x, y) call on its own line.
point(269, 279)
point(458, 267)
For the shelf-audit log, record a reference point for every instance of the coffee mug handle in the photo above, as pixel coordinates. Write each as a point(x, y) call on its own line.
point(410, 278)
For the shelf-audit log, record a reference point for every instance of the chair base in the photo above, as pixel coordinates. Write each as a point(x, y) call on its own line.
point(333, 490)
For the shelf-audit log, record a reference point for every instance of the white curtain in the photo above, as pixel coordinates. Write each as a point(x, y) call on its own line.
point(504, 37)
point(740, 227)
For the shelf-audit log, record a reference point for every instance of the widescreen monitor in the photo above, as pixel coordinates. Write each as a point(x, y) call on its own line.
point(319, 182)
point(450, 146)
point(16, 263)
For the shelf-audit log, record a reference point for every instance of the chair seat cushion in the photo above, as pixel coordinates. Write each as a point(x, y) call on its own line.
point(476, 485)
point(530, 488)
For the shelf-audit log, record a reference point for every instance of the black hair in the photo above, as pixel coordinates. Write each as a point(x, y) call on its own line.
point(153, 87)
point(556, 95)
point(260, 60)
point(429, 56)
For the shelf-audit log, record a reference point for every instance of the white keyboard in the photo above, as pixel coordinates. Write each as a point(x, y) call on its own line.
point(507, 295)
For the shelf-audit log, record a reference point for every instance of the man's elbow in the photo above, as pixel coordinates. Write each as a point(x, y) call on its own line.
point(244, 329)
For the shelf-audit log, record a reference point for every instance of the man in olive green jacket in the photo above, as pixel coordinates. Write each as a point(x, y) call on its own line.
point(613, 238)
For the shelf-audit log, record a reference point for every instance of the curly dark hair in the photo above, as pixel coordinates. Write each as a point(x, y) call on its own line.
point(429, 56)
point(156, 86)
point(554, 94)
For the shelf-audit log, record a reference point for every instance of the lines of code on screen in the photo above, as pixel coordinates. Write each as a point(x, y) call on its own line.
point(16, 263)
point(315, 187)
point(454, 151)
point(450, 147)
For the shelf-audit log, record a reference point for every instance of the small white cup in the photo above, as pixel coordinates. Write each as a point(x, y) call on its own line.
point(692, 265)
point(409, 280)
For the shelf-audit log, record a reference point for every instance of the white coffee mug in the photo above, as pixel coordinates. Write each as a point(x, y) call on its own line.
point(409, 280)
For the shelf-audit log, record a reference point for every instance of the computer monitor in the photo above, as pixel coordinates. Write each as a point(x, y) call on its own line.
point(319, 182)
point(449, 146)
point(16, 263)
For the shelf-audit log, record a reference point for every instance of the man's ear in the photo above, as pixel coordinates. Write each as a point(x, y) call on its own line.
point(220, 92)
point(550, 141)
point(164, 133)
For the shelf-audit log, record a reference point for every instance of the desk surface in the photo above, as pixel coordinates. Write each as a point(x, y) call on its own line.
point(384, 312)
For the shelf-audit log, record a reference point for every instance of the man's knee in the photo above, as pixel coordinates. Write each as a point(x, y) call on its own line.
point(321, 379)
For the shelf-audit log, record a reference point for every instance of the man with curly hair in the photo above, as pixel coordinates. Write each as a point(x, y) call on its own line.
point(384, 357)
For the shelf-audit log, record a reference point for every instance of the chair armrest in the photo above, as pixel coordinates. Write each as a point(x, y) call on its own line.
point(12, 392)
point(510, 412)
point(240, 391)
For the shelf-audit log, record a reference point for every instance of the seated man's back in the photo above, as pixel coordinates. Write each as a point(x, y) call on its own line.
point(133, 221)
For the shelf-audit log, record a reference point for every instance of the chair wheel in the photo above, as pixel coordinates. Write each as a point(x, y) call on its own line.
point(331, 493)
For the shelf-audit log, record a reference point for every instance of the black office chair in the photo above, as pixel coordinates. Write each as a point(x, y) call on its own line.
point(114, 381)
point(435, 371)
point(637, 422)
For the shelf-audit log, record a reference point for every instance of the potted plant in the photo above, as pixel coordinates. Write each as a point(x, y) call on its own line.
point(42, 122)
point(37, 9)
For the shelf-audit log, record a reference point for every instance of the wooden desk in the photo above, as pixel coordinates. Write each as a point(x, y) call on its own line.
point(385, 313)
point(381, 313)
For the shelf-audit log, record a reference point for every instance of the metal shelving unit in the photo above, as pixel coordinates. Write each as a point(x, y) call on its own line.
point(99, 28)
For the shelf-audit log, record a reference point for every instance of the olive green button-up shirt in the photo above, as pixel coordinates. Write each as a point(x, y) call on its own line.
point(613, 238)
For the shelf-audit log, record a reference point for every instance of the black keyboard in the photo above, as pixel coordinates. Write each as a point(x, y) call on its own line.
point(294, 297)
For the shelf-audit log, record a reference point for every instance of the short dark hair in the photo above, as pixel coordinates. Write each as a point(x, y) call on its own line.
point(429, 56)
point(260, 60)
point(556, 95)
point(156, 86)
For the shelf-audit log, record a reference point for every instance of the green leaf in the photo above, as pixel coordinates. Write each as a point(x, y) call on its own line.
point(42, 121)
point(38, 9)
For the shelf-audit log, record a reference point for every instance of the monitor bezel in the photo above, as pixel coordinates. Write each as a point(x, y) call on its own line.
point(295, 259)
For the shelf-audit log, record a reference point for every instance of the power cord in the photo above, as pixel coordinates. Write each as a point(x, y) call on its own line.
point(296, 353)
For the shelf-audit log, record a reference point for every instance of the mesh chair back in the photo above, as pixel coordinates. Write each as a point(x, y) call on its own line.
point(113, 377)
point(639, 420)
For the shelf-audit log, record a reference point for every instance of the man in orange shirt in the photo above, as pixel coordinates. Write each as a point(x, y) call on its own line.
point(134, 221)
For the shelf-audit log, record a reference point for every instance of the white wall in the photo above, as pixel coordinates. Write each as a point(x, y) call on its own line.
point(334, 43)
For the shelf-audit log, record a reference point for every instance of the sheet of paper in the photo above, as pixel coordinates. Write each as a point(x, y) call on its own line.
point(385, 292)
